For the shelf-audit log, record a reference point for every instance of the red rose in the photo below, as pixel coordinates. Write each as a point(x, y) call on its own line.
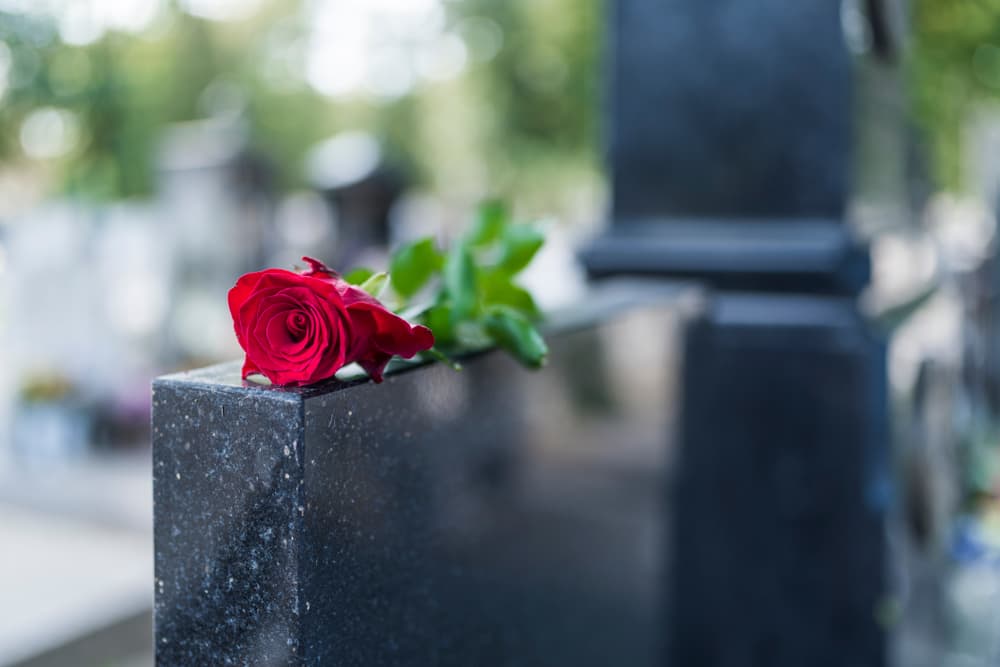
point(297, 329)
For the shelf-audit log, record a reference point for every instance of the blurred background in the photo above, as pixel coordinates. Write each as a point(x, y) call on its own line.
point(153, 150)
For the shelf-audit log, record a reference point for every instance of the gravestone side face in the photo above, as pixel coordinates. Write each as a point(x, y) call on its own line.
point(728, 108)
point(227, 485)
point(778, 540)
point(494, 516)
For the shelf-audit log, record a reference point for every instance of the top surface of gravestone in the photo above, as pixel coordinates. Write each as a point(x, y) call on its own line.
point(600, 305)
point(227, 376)
point(729, 108)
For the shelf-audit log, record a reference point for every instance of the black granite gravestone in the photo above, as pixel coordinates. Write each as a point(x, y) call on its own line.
point(495, 516)
point(730, 144)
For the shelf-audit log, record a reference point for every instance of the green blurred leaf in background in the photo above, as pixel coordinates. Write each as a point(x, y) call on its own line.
point(358, 276)
point(514, 333)
point(376, 284)
point(460, 282)
point(491, 219)
point(519, 244)
point(517, 112)
point(413, 265)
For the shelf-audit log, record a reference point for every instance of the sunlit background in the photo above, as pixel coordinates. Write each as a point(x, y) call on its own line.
point(152, 150)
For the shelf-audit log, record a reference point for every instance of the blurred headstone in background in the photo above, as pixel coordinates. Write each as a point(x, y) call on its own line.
point(85, 296)
point(305, 225)
point(351, 171)
point(217, 203)
point(729, 115)
point(730, 145)
point(729, 108)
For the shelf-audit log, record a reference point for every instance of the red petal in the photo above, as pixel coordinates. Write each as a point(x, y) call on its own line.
point(319, 269)
point(249, 368)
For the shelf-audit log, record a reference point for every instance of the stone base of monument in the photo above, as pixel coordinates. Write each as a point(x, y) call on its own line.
point(782, 487)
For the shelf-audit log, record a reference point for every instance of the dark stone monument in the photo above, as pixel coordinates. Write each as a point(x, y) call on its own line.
point(781, 487)
point(730, 145)
point(729, 108)
point(495, 516)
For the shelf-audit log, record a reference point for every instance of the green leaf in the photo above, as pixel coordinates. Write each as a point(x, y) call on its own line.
point(514, 333)
point(413, 265)
point(472, 335)
point(376, 284)
point(439, 320)
point(498, 290)
point(491, 219)
point(460, 282)
point(358, 276)
point(518, 247)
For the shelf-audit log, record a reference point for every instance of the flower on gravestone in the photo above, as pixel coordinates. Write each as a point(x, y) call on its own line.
point(298, 328)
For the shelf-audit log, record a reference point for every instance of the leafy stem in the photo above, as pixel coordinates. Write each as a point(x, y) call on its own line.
point(467, 293)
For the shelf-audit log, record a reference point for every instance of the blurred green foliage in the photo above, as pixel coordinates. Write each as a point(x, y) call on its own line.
point(125, 88)
point(524, 120)
point(954, 64)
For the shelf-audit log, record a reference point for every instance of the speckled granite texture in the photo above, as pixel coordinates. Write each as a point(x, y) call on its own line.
point(494, 516)
point(228, 482)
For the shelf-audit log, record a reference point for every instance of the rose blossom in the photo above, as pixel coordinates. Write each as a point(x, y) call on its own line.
point(300, 328)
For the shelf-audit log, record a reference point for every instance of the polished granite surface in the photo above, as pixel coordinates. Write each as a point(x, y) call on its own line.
point(493, 516)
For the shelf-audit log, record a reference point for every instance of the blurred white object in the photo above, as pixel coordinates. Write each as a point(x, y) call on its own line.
point(218, 222)
point(64, 579)
point(555, 277)
point(342, 160)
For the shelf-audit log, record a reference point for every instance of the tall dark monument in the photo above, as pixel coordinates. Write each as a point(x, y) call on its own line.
point(729, 108)
point(729, 146)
